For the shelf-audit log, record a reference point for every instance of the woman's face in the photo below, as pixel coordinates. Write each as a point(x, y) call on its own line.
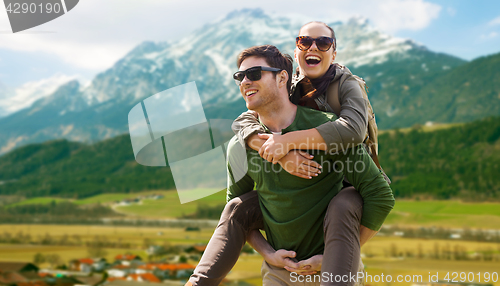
point(314, 63)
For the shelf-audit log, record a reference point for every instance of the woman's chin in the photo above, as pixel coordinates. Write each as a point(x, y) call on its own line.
point(312, 74)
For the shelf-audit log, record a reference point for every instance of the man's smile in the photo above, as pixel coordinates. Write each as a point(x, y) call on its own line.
point(250, 92)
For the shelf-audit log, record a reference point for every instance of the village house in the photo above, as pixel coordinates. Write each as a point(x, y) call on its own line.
point(128, 259)
point(120, 271)
point(87, 265)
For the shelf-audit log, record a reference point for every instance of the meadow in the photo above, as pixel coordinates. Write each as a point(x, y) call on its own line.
point(450, 214)
point(377, 252)
point(388, 255)
point(439, 213)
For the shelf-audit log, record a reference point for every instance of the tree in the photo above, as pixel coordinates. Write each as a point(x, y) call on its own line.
point(53, 259)
point(96, 251)
point(39, 259)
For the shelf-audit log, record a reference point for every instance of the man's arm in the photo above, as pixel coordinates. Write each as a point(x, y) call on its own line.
point(363, 174)
point(238, 180)
point(365, 234)
point(279, 258)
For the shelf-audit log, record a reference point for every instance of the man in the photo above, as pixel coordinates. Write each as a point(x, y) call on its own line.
point(293, 209)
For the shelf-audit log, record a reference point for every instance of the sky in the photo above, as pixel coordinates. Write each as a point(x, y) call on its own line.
point(96, 33)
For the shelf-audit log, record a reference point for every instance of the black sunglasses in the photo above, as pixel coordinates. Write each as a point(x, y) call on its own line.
point(253, 73)
point(305, 42)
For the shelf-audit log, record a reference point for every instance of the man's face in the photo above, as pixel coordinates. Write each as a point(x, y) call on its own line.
point(313, 62)
point(260, 93)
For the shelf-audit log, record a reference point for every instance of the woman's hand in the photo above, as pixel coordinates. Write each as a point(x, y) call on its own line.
point(308, 266)
point(274, 148)
point(300, 164)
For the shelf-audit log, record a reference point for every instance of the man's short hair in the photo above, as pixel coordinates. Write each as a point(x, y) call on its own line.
point(273, 57)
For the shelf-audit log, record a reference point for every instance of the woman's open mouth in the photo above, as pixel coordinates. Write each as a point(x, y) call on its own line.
point(313, 60)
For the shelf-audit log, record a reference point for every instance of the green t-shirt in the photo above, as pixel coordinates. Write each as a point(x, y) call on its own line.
point(294, 208)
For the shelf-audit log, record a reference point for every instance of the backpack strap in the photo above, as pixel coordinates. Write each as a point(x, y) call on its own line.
point(322, 101)
point(331, 103)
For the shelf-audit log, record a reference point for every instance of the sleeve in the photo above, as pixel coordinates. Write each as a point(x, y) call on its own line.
point(245, 125)
point(238, 180)
point(363, 174)
point(350, 128)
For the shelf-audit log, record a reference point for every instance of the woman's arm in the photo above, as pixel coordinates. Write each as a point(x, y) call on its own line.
point(246, 127)
point(350, 128)
point(347, 131)
point(276, 147)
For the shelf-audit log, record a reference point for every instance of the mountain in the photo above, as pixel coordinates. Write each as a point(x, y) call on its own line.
point(76, 170)
point(395, 69)
point(5, 93)
point(466, 93)
point(459, 162)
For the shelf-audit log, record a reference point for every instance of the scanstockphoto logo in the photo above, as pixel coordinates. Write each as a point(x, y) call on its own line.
point(171, 127)
point(24, 15)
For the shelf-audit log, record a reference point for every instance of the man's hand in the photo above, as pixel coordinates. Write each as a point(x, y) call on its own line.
point(299, 163)
point(282, 258)
point(274, 148)
point(308, 266)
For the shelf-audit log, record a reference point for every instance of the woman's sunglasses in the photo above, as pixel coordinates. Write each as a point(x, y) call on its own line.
point(253, 73)
point(305, 42)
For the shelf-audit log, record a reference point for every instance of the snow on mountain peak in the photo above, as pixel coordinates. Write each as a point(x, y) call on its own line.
point(210, 53)
point(359, 44)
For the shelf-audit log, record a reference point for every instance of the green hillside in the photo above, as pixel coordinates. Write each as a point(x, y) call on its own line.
point(458, 162)
point(414, 92)
point(75, 170)
point(469, 92)
point(462, 161)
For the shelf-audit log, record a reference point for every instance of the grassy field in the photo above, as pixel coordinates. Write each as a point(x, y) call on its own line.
point(133, 235)
point(169, 206)
point(41, 201)
point(424, 268)
point(451, 214)
point(248, 266)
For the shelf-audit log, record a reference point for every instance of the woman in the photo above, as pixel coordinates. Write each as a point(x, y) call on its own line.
point(315, 54)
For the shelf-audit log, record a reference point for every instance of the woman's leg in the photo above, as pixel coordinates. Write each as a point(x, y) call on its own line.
point(240, 215)
point(341, 227)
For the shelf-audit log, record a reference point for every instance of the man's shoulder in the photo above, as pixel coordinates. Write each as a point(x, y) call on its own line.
point(234, 147)
point(316, 115)
point(236, 153)
point(237, 160)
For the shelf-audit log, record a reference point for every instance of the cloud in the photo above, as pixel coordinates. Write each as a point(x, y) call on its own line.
point(490, 35)
point(394, 15)
point(495, 22)
point(451, 11)
point(96, 33)
point(30, 92)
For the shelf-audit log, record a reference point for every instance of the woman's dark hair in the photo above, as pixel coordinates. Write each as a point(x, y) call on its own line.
point(273, 57)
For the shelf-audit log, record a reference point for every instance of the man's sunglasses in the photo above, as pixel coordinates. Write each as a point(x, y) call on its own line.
point(305, 42)
point(253, 73)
